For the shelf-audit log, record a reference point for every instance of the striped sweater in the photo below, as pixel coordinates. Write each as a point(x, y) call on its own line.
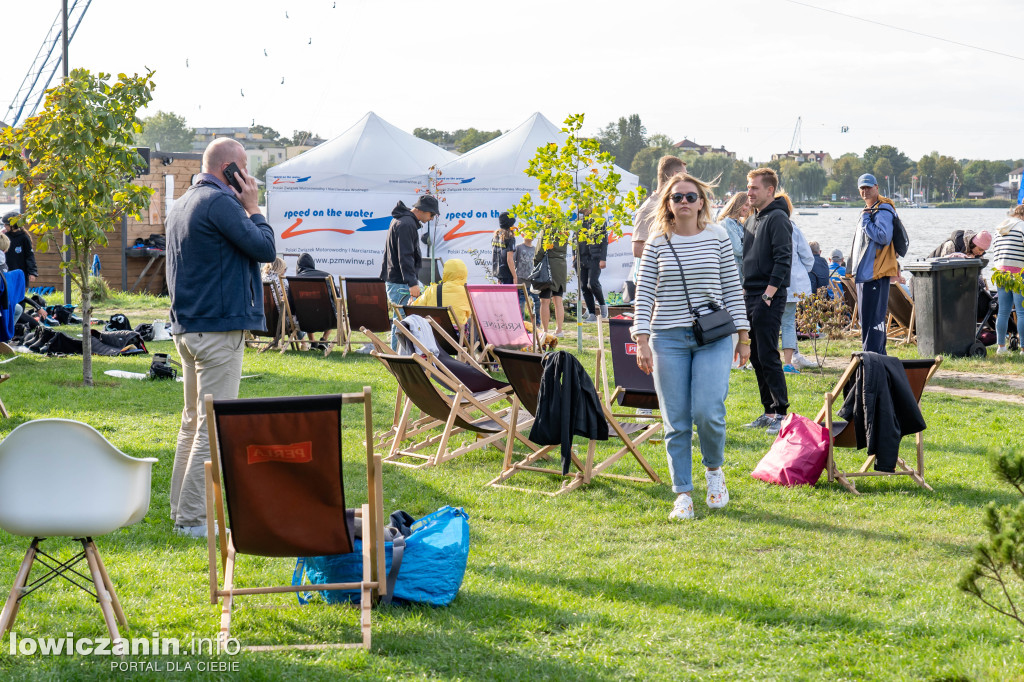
point(711, 275)
point(1008, 246)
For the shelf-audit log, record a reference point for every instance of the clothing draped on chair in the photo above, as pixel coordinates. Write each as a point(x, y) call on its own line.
point(568, 406)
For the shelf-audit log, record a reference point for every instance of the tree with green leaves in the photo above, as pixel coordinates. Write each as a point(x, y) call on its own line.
point(166, 132)
point(573, 177)
point(714, 169)
point(75, 162)
point(645, 162)
point(996, 578)
point(898, 161)
point(267, 133)
point(623, 139)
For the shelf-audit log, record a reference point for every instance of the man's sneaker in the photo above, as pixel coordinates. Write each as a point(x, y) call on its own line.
point(682, 509)
point(589, 317)
point(718, 494)
point(775, 425)
point(759, 423)
point(790, 369)
point(197, 532)
point(1002, 350)
point(366, 349)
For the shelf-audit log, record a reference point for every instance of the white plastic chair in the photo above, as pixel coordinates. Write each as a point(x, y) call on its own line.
point(62, 478)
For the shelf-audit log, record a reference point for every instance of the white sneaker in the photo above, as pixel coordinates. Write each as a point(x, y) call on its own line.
point(1002, 350)
point(802, 362)
point(198, 532)
point(682, 509)
point(718, 494)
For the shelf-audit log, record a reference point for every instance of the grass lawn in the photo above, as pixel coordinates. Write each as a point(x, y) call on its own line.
point(787, 584)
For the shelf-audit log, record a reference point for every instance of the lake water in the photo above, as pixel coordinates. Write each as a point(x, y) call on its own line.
point(928, 227)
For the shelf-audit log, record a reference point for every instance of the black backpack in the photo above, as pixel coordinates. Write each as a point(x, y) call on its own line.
point(900, 238)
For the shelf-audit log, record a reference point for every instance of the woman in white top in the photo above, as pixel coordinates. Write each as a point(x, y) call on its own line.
point(1008, 255)
point(692, 380)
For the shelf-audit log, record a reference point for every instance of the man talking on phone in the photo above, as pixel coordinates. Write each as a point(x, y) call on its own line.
point(216, 239)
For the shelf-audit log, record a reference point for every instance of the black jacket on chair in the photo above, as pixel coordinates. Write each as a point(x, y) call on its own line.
point(567, 405)
point(882, 407)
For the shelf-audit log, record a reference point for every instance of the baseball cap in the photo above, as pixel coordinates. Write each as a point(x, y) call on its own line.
point(836, 253)
point(867, 180)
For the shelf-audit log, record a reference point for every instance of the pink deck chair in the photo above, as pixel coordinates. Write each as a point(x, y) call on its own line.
point(498, 318)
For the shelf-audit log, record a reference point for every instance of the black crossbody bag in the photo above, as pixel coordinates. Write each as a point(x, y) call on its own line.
point(712, 325)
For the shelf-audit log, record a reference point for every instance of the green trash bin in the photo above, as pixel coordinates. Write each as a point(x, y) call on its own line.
point(946, 306)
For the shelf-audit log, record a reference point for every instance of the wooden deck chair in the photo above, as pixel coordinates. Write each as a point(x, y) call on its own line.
point(902, 314)
point(277, 313)
point(450, 338)
point(419, 380)
point(525, 372)
point(316, 308)
point(848, 289)
point(283, 495)
point(919, 373)
point(365, 304)
point(498, 320)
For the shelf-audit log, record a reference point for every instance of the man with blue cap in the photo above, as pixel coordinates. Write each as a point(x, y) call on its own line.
point(872, 263)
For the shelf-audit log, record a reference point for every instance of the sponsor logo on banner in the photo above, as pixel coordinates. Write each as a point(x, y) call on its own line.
point(290, 179)
point(630, 349)
point(294, 453)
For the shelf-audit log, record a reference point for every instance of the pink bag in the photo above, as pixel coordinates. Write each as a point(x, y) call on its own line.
point(798, 455)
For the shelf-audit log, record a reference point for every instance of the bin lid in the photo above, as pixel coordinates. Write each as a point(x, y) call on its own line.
point(937, 264)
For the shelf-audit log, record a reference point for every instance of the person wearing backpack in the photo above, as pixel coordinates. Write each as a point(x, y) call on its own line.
point(873, 262)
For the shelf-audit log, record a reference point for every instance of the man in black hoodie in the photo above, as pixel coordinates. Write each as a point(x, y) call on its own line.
point(767, 255)
point(20, 255)
point(306, 267)
point(402, 255)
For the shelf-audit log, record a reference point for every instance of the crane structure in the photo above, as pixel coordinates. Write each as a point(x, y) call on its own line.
point(796, 142)
point(47, 63)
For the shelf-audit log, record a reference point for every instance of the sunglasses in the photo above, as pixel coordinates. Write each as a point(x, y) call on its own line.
point(691, 197)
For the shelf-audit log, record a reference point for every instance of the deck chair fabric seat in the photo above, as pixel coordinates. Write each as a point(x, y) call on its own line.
point(445, 322)
point(364, 304)
point(283, 494)
point(316, 308)
point(902, 314)
point(498, 318)
point(849, 434)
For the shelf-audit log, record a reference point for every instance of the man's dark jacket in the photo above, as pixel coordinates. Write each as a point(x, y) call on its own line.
point(819, 274)
point(590, 255)
point(882, 407)
point(768, 248)
point(306, 267)
point(213, 254)
point(402, 256)
point(20, 255)
point(567, 405)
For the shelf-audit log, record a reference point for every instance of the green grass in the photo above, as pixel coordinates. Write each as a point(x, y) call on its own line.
point(786, 584)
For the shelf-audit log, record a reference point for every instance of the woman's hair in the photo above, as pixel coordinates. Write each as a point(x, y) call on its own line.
point(1018, 211)
point(5, 242)
point(789, 202)
point(278, 267)
point(665, 217)
point(734, 208)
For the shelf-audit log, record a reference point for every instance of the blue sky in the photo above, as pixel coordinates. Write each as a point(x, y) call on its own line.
point(736, 73)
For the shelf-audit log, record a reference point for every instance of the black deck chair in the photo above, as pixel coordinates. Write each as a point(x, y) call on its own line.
point(525, 373)
point(442, 315)
point(316, 308)
point(364, 304)
point(902, 314)
point(919, 373)
point(633, 388)
point(277, 314)
point(464, 370)
point(416, 378)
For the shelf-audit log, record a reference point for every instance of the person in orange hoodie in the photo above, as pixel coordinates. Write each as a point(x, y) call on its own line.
point(872, 263)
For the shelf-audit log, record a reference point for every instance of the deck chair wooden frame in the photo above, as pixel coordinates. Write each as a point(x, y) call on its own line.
point(316, 307)
point(277, 313)
point(364, 304)
point(902, 315)
point(225, 492)
point(848, 289)
point(919, 373)
point(447, 334)
point(419, 381)
point(510, 314)
point(524, 372)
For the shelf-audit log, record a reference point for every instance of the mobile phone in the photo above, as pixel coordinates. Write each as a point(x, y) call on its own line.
point(229, 173)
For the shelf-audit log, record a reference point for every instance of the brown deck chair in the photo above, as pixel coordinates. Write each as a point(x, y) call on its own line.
point(365, 304)
point(902, 314)
point(419, 380)
point(524, 371)
point(316, 308)
point(449, 338)
point(919, 373)
point(277, 314)
point(498, 321)
point(281, 464)
point(848, 288)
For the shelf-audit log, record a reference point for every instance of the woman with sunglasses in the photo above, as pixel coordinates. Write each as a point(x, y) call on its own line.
point(685, 254)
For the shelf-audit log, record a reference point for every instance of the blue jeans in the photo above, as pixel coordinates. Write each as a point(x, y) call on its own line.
point(1008, 300)
point(692, 383)
point(789, 325)
point(399, 295)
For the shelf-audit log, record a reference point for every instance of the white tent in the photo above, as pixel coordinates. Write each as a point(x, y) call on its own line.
point(482, 183)
point(335, 200)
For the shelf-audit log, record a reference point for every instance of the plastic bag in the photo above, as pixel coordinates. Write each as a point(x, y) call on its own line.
point(798, 455)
